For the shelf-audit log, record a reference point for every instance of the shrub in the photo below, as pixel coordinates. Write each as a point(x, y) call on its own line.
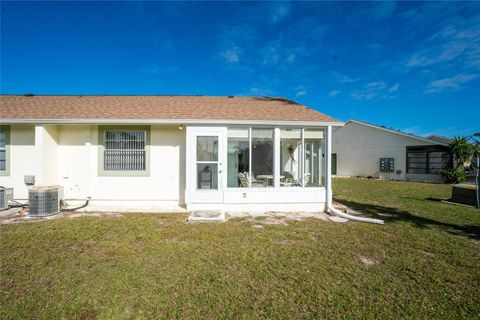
point(453, 175)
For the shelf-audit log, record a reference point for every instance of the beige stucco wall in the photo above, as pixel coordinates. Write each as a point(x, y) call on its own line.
point(68, 155)
point(359, 149)
point(48, 153)
point(78, 167)
point(22, 159)
point(74, 165)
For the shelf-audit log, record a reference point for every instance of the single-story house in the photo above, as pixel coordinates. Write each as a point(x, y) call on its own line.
point(203, 152)
point(367, 150)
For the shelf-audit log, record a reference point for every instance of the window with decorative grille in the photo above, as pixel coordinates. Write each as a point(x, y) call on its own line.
point(125, 150)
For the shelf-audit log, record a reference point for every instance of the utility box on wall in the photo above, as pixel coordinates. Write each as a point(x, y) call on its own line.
point(387, 164)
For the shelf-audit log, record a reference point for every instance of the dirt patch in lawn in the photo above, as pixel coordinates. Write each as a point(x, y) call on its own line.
point(368, 261)
point(92, 214)
point(280, 218)
point(22, 216)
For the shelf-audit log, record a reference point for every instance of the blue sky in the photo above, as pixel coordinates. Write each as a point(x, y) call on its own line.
point(412, 66)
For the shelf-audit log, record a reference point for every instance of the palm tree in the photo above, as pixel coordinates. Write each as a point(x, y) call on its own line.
point(462, 151)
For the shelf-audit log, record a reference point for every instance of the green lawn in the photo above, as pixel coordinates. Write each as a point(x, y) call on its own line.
point(424, 263)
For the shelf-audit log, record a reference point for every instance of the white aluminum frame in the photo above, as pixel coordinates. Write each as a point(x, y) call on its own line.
point(193, 194)
point(247, 198)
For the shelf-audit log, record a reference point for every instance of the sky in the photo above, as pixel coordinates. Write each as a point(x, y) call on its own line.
point(412, 66)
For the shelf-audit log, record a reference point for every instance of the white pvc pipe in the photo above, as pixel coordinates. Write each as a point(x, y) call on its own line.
point(355, 218)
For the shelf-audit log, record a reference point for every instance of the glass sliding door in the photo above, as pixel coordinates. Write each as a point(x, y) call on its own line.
point(238, 158)
point(290, 157)
point(262, 158)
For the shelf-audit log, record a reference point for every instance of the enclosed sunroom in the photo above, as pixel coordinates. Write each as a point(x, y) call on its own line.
point(256, 167)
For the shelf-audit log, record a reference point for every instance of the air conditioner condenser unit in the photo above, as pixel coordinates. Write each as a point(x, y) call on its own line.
point(6, 194)
point(44, 200)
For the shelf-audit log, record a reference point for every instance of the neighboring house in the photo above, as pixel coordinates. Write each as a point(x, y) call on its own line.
point(366, 150)
point(216, 153)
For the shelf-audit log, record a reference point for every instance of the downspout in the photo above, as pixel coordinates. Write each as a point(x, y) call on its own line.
point(328, 167)
point(328, 186)
point(354, 218)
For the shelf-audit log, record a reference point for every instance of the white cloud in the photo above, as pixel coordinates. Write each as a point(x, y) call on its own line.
point(343, 78)
point(360, 95)
point(450, 47)
point(233, 41)
point(231, 55)
point(394, 88)
point(371, 90)
point(449, 84)
point(375, 86)
point(276, 52)
point(260, 91)
point(334, 93)
point(301, 93)
point(280, 11)
point(271, 53)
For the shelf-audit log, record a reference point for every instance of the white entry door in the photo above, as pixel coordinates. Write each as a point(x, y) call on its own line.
point(207, 167)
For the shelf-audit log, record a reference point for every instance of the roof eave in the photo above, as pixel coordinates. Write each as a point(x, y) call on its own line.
point(173, 121)
point(399, 132)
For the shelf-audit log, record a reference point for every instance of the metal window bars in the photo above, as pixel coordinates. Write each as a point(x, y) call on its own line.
point(124, 150)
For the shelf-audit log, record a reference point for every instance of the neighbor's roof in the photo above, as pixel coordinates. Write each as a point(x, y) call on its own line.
point(398, 132)
point(122, 107)
point(438, 138)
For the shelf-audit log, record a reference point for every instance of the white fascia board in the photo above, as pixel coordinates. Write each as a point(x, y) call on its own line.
point(397, 132)
point(171, 121)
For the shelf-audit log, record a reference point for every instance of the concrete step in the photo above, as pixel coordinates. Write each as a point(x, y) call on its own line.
point(207, 216)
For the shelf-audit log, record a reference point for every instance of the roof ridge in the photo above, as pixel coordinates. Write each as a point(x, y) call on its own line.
point(393, 130)
point(139, 95)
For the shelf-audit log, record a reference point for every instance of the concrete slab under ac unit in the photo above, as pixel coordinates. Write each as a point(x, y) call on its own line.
point(9, 211)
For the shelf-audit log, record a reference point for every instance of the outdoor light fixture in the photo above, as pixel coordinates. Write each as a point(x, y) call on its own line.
point(180, 127)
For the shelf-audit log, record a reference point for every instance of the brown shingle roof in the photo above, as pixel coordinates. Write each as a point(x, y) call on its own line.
point(156, 107)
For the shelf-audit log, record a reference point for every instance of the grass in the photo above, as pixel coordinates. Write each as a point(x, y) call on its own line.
point(424, 263)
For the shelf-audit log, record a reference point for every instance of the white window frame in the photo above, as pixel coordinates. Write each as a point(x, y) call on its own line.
point(6, 149)
point(276, 159)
